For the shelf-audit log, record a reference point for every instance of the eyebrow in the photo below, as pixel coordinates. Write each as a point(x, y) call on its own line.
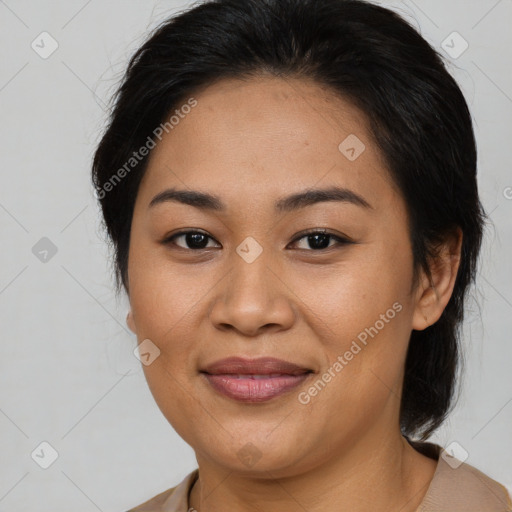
point(205, 201)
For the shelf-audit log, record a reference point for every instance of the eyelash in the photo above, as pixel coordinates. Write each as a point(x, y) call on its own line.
point(340, 241)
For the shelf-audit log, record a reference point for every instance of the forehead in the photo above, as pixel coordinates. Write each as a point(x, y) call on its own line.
point(255, 137)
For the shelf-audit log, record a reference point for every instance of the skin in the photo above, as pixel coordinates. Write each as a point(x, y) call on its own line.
point(251, 143)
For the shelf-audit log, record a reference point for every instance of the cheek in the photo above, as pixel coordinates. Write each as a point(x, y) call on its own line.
point(346, 299)
point(163, 297)
point(178, 403)
point(361, 314)
point(363, 377)
point(166, 303)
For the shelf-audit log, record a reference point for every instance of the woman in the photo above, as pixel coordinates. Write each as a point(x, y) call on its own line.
point(290, 189)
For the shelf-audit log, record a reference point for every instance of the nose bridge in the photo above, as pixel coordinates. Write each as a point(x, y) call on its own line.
point(253, 296)
point(250, 272)
point(250, 284)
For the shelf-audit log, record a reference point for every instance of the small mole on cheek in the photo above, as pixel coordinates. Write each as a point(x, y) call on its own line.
point(306, 143)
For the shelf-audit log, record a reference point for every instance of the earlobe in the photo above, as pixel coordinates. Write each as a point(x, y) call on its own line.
point(130, 323)
point(434, 293)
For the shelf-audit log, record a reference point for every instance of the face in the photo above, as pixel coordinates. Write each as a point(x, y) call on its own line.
point(322, 281)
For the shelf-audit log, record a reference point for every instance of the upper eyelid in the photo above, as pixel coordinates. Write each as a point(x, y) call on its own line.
point(339, 237)
point(186, 232)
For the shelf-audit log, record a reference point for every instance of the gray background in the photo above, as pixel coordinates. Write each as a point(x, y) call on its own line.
point(68, 375)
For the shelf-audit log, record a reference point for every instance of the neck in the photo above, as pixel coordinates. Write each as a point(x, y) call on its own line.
point(377, 475)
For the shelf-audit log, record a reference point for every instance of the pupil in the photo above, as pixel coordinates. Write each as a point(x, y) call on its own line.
point(316, 245)
point(194, 240)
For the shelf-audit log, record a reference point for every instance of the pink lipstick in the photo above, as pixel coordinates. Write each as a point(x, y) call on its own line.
point(254, 380)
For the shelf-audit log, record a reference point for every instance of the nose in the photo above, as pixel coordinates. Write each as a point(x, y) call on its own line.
point(253, 300)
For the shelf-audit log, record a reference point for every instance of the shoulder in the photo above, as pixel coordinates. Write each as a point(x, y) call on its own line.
point(460, 487)
point(474, 490)
point(155, 503)
point(174, 499)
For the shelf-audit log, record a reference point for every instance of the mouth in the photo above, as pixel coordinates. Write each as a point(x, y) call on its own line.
point(254, 380)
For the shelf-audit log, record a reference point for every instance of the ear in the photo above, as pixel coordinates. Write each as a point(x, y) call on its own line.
point(433, 294)
point(130, 323)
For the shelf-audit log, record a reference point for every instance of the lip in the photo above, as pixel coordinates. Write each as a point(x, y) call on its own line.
point(254, 380)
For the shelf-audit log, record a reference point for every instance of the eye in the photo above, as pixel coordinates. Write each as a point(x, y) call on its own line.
point(319, 240)
point(196, 240)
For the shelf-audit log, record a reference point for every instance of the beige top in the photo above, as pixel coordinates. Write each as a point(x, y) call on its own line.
point(454, 488)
